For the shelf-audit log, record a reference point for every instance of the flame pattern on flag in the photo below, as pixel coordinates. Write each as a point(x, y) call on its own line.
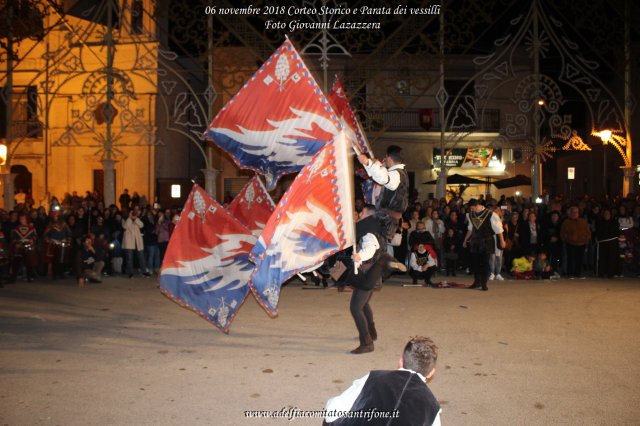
point(348, 119)
point(277, 122)
point(253, 206)
point(206, 267)
point(313, 220)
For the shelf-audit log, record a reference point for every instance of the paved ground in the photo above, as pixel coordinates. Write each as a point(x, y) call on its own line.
point(120, 353)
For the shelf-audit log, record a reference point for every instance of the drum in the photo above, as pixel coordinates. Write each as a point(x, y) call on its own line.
point(18, 249)
point(62, 252)
point(30, 254)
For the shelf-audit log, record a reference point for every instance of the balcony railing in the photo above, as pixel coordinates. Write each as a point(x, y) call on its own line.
point(396, 120)
point(24, 129)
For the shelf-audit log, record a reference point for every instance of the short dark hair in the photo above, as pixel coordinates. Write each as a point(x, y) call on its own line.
point(369, 207)
point(395, 152)
point(420, 355)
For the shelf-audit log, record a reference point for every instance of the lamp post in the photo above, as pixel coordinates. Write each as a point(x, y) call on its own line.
point(605, 136)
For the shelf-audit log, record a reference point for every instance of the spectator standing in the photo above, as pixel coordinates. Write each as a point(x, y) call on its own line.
point(576, 234)
point(125, 200)
point(132, 242)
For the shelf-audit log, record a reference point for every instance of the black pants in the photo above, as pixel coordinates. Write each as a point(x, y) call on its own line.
point(423, 275)
point(574, 260)
point(480, 268)
point(361, 313)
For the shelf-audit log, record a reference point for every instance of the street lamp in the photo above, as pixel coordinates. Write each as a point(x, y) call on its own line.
point(605, 136)
point(3, 154)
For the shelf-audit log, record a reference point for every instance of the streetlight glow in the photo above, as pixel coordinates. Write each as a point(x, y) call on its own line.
point(3, 154)
point(604, 135)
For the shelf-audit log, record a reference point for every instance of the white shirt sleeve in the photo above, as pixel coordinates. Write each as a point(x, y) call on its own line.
point(496, 224)
point(343, 402)
point(413, 262)
point(436, 421)
point(368, 247)
point(390, 179)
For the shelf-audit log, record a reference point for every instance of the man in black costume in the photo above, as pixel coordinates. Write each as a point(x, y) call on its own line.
point(397, 397)
point(370, 246)
point(483, 225)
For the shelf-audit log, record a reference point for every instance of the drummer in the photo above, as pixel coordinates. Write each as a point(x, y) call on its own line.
point(57, 237)
point(23, 244)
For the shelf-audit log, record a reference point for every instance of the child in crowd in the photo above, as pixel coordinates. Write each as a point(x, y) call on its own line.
point(522, 268)
point(423, 264)
point(542, 268)
point(450, 249)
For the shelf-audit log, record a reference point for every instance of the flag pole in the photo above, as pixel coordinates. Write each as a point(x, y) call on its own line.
point(352, 194)
point(364, 135)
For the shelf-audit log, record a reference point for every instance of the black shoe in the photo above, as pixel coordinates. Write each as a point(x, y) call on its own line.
point(146, 274)
point(130, 275)
point(415, 281)
point(363, 349)
point(474, 285)
point(484, 287)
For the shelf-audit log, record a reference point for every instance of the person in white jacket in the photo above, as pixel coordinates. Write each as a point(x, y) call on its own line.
point(132, 242)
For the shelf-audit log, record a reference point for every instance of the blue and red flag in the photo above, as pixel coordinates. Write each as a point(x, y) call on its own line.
point(278, 120)
point(253, 206)
point(313, 220)
point(349, 121)
point(206, 267)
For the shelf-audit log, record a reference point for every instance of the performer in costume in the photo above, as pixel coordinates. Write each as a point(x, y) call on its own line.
point(23, 243)
point(57, 236)
point(371, 240)
point(394, 198)
point(483, 225)
point(402, 393)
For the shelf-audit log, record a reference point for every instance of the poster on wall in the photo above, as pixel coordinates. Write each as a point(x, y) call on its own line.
point(467, 157)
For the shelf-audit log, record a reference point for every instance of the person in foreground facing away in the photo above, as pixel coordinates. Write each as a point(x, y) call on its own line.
point(370, 246)
point(392, 397)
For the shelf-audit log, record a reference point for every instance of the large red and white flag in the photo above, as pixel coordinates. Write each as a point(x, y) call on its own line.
point(313, 220)
point(206, 267)
point(341, 106)
point(278, 120)
point(253, 206)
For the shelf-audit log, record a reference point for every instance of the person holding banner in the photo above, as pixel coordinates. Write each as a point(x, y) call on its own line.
point(370, 247)
point(394, 198)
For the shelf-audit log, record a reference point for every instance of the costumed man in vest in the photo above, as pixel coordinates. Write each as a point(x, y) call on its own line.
point(23, 244)
point(370, 246)
point(483, 225)
point(397, 397)
point(394, 198)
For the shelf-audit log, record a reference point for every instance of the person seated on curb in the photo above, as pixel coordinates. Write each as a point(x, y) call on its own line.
point(542, 268)
point(522, 268)
point(90, 268)
point(423, 263)
point(399, 397)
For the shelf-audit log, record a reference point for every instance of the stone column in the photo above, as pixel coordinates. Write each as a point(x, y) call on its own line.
point(109, 182)
point(9, 191)
point(210, 176)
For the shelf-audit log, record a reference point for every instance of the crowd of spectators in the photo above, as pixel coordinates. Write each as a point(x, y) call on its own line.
point(79, 237)
point(559, 237)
